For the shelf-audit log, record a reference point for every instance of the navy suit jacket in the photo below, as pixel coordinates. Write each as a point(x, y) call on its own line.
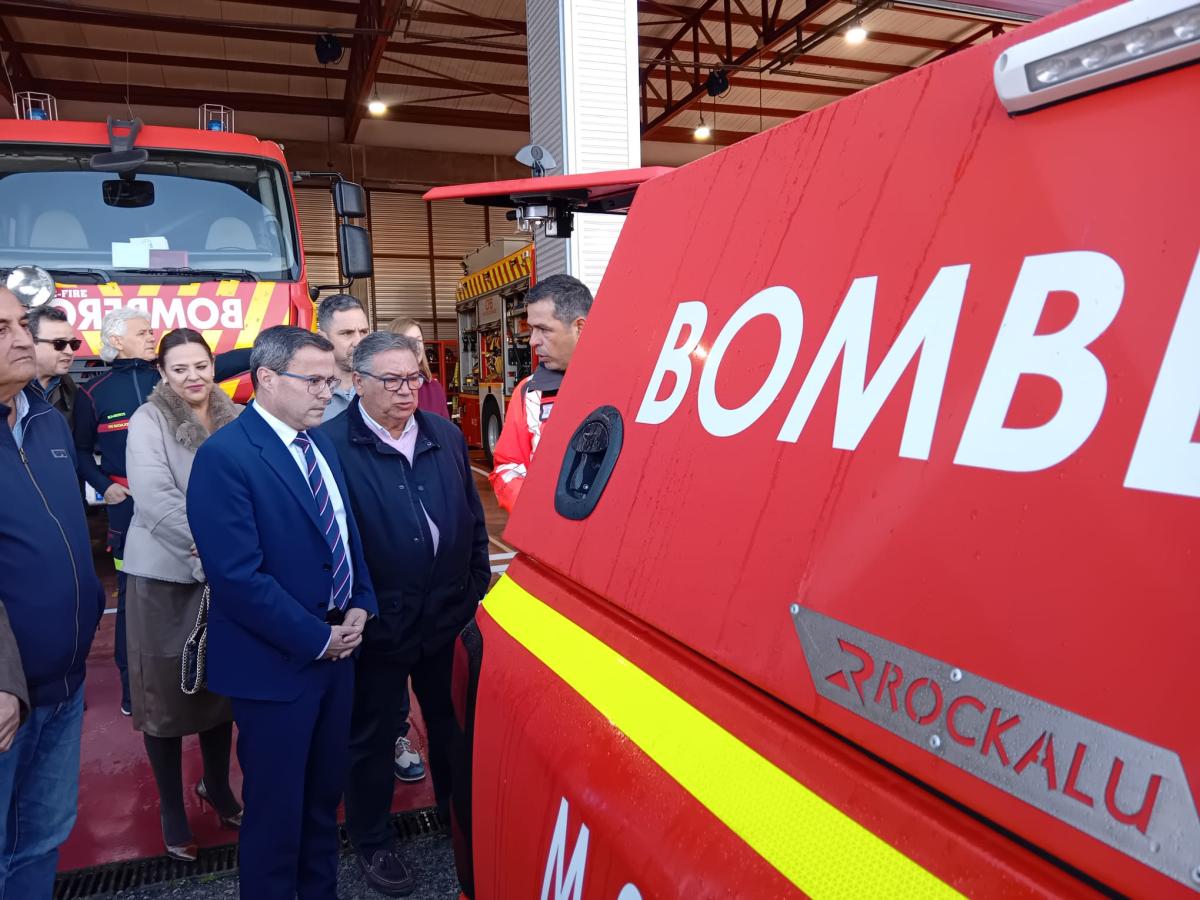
point(255, 526)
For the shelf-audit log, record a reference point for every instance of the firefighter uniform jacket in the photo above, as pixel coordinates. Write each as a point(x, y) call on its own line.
point(528, 411)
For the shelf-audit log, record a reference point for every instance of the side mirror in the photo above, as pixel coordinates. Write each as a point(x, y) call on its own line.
point(354, 251)
point(349, 200)
point(128, 194)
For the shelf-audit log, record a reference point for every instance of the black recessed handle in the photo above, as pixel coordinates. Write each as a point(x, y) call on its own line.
point(591, 455)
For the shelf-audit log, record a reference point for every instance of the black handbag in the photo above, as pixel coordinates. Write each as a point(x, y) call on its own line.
point(193, 671)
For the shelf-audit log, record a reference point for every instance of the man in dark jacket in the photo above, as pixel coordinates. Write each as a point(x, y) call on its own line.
point(425, 544)
point(102, 413)
point(50, 604)
point(55, 345)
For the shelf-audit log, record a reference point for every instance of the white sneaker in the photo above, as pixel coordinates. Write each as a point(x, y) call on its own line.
point(409, 765)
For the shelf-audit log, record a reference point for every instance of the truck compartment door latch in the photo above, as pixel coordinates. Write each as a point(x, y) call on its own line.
point(589, 461)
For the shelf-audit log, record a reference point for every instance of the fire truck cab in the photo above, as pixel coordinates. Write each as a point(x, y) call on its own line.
point(195, 226)
point(859, 557)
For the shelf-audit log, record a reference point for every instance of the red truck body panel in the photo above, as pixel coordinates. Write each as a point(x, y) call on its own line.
point(910, 409)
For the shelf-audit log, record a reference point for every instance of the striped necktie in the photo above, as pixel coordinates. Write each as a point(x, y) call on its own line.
point(340, 595)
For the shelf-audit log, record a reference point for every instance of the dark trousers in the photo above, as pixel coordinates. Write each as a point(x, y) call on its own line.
point(119, 518)
point(380, 710)
point(294, 758)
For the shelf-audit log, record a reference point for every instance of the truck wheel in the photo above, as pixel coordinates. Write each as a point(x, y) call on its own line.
point(491, 429)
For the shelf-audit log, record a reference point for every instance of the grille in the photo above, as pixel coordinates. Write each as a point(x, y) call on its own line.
point(104, 881)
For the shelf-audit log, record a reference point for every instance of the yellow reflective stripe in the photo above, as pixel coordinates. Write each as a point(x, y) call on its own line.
point(228, 287)
point(817, 847)
point(256, 312)
point(188, 290)
point(149, 290)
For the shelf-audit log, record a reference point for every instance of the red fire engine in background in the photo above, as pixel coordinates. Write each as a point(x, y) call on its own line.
point(493, 337)
point(196, 226)
point(859, 557)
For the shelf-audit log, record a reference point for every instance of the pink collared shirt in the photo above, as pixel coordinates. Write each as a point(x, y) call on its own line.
point(406, 444)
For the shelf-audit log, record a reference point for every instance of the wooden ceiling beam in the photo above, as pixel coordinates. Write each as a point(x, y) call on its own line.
point(18, 67)
point(737, 109)
point(366, 52)
point(141, 95)
point(837, 62)
point(654, 7)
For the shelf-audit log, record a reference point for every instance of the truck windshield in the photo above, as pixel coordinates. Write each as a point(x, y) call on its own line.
point(178, 214)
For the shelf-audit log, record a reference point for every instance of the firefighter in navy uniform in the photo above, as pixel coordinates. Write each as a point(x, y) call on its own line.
point(102, 412)
point(556, 309)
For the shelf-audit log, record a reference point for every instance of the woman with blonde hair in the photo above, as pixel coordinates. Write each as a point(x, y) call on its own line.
point(432, 396)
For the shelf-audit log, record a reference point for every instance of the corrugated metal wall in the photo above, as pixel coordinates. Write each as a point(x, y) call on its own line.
point(403, 229)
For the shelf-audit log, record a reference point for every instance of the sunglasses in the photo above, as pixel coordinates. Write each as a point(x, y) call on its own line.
point(61, 344)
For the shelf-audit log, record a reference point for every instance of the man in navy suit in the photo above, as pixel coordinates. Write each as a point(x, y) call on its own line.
point(290, 595)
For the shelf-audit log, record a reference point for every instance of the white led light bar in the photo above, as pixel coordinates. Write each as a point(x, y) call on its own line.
point(1128, 41)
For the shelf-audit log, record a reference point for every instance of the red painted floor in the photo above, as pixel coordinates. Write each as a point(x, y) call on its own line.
point(118, 802)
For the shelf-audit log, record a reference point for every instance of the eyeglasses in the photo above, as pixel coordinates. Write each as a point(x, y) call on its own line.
point(61, 344)
point(392, 382)
point(316, 383)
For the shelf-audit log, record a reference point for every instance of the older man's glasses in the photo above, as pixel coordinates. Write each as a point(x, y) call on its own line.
point(61, 344)
point(393, 383)
point(317, 383)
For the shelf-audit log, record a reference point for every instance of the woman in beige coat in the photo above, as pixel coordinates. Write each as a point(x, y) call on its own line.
point(166, 583)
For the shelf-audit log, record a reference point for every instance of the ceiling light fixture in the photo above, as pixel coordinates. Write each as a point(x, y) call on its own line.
point(702, 132)
point(376, 107)
point(856, 33)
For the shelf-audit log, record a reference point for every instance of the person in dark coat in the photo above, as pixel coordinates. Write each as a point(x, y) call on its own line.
point(425, 544)
point(55, 346)
point(290, 593)
point(50, 604)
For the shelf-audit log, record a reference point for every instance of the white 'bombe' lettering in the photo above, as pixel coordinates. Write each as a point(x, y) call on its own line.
point(200, 313)
point(1165, 459)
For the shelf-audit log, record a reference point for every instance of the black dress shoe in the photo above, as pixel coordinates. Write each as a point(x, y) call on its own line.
point(386, 872)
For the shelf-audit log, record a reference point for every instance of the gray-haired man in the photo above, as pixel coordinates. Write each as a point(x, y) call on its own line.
point(425, 545)
point(342, 321)
point(102, 412)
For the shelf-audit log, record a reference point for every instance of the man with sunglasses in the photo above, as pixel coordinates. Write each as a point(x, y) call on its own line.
point(425, 545)
point(54, 346)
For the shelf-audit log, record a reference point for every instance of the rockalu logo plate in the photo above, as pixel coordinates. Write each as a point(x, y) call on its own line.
point(1130, 794)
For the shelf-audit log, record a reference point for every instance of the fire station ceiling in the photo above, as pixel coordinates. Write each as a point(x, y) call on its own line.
point(453, 74)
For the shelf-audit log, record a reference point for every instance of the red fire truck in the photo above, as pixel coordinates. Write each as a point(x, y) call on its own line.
point(860, 555)
point(493, 338)
point(198, 227)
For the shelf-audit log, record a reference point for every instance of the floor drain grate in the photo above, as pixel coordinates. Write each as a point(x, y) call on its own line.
point(104, 881)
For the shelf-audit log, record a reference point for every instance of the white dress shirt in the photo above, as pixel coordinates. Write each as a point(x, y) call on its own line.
point(287, 434)
point(407, 445)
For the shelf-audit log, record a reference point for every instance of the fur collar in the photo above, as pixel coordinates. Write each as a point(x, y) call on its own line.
point(182, 421)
